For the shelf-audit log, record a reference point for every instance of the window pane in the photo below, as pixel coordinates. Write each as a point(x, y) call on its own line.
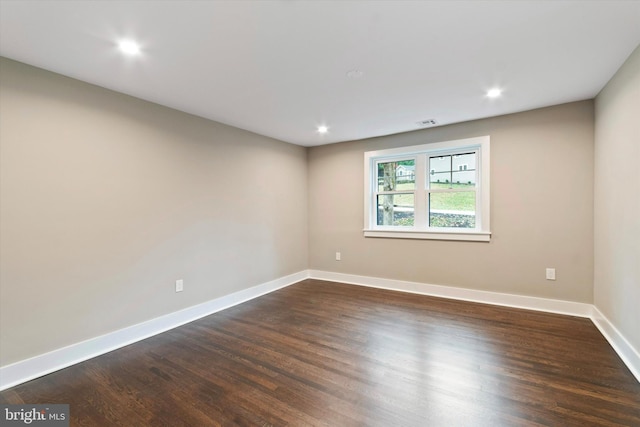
point(452, 209)
point(464, 179)
point(463, 162)
point(395, 209)
point(463, 170)
point(397, 176)
point(440, 172)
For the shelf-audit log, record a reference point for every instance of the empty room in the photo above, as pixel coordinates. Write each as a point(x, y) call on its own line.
point(319, 213)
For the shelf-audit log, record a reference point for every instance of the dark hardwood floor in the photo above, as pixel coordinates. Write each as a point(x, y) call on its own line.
point(327, 354)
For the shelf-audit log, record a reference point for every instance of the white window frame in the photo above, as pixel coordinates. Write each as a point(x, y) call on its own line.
point(421, 230)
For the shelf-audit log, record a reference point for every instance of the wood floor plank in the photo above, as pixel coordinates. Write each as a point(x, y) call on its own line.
point(329, 354)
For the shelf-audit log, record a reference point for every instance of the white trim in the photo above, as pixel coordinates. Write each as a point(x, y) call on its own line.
point(444, 146)
point(629, 355)
point(469, 236)
point(26, 370)
point(486, 297)
point(480, 145)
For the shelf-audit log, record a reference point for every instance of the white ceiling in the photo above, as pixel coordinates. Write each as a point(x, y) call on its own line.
point(279, 68)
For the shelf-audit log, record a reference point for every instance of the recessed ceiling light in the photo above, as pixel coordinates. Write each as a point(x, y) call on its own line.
point(494, 93)
point(129, 47)
point(323, 129)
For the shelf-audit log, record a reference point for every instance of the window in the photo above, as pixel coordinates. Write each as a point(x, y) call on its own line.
point(431, 191)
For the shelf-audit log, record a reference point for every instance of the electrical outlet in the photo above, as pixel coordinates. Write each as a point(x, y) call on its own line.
point(551, 274)
point(338, 256)
point(179, 285)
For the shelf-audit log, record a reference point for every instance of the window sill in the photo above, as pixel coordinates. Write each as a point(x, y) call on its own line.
point(468, 236)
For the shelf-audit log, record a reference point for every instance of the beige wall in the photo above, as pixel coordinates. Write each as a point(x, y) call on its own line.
point(617, 200)
point(107, 200)
point(541, 209)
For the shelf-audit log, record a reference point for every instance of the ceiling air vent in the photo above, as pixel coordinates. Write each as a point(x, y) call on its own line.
point(427, 123)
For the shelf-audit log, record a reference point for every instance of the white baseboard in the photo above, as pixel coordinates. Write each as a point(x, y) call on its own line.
point(26, 370)
point(486, 297)
point(629, 355)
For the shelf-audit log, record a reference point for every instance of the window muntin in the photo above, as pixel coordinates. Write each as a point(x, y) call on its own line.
point(432, 191)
